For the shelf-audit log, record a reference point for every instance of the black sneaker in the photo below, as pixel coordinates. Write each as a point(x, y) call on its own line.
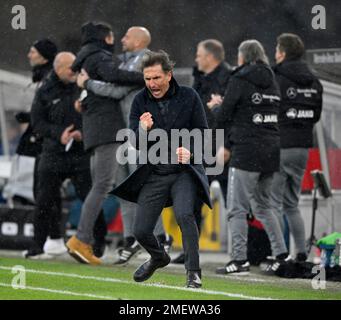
point(275, 266)
point(36, 254)
point(235, 267)
point(126, 253)
point(147, 269)
point(194, 279)
point(167, 243)
point(180, 259)
point(301, 257)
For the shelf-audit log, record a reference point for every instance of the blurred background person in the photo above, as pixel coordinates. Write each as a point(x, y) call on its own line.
point(250, 114)
point(40, 56)
point(134, 45)
point(57, 122)
point(211, 75)
point(97, 59)
point(300, 109)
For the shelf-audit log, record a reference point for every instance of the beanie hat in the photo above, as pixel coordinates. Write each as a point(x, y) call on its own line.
point(46, 48)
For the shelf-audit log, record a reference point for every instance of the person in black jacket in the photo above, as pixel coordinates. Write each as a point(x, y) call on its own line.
point(250, 114)
point(134, 44)
point(211, 74)
point(163, 104)
point(102, 119)
point(56, 121)
point(300, 109)
point(41, 56)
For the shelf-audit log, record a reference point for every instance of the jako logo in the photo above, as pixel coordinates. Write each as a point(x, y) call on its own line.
point(258, 118)
point(292, 113)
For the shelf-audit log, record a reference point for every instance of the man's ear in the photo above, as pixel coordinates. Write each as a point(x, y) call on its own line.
point(284, 54)
point(138, 43)
point(210, 57)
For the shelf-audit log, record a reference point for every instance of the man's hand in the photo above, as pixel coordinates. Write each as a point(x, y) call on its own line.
point(82, 77)
point(66, 135)
point(146, 121)
point(78, 106)
point(77, 135)
point(223, 156)
point(184, 155)
point(216, 99)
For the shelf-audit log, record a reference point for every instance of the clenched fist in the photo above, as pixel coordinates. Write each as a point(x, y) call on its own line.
point(184, 155)
point(146, 121)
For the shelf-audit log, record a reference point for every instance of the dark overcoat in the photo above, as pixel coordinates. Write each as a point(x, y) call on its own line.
point(185, 112)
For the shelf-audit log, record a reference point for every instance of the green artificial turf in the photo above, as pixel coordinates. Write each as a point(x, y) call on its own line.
point(117, 283)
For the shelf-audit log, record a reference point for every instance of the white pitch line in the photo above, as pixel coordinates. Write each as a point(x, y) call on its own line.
point(113, 280)
point(63, 292)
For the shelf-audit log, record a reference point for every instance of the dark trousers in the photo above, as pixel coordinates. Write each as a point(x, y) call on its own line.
point(55, 206)
point(52, 171)
point(181, 188)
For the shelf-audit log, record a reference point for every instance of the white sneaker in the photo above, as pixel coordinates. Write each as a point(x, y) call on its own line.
point(55, 246)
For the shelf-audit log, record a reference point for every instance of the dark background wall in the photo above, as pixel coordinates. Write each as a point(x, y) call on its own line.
point(176, 25)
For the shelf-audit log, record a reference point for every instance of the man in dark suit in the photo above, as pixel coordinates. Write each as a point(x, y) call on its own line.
point(164, 105)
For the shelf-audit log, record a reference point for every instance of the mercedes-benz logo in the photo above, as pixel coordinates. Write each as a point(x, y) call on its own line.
point(291, 93)
point(256, 98)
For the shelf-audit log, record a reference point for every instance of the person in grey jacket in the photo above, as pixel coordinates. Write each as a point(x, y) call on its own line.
point(134, 44)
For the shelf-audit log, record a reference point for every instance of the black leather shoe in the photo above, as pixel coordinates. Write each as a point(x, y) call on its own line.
point(146, 270)
point(194, 279)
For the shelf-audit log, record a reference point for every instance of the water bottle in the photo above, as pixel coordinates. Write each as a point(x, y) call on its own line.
point(326, 255)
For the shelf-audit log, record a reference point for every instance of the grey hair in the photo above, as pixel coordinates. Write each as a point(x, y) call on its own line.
point(214, 47)
point(253, 51)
